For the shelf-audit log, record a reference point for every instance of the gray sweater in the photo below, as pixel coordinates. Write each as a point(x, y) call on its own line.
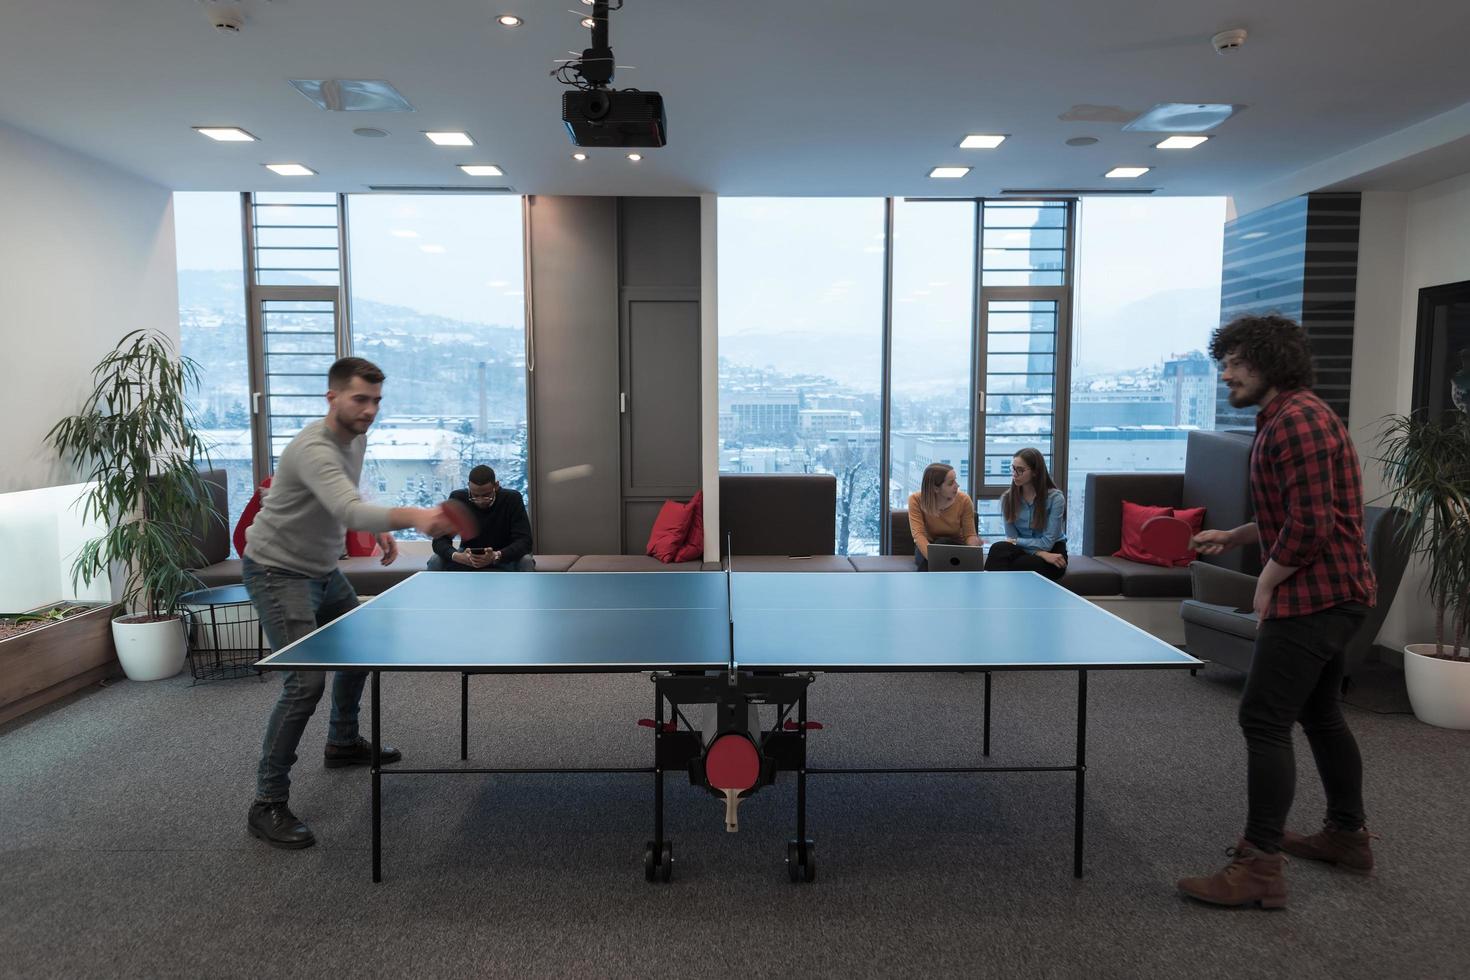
point(310, 504)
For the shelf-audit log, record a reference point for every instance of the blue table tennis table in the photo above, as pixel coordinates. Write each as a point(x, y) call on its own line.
point(733, 642)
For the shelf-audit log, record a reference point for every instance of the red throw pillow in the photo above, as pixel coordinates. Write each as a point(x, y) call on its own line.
point(693, 547)
point(361, 544)
point(1195, 518)
point(247, 517)
point(669, 531)
point(1134, 517)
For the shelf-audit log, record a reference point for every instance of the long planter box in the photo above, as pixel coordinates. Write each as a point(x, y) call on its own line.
point(45, 664)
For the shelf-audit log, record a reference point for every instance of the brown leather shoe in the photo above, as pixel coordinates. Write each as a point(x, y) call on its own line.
point(1348, 849)
point(1251, 878)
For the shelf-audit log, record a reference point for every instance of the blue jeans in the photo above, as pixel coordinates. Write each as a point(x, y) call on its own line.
point(525, 563)
point(291, 605)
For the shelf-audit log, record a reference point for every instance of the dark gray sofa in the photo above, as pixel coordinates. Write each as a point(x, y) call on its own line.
point(1215, 629)
point(1216, 477)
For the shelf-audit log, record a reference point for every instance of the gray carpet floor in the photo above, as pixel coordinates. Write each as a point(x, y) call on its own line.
point(124, 851)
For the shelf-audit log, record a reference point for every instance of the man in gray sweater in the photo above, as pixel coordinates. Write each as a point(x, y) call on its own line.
point(290, 571)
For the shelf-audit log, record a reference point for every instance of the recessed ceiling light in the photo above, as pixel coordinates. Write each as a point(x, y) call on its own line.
point(450, 139)
point(509, 20)
point(1125, 172)
point(404, 233)
point(482, 170)
point(588, 23)
point(225, 134)
point(291, 169)
point(949, 173)
point(635, 157)
point(579, 157)
point(1181, 142)
point(978, 142)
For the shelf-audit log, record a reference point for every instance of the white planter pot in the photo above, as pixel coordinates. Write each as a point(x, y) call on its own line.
point(1439, 689)
point(150, 651)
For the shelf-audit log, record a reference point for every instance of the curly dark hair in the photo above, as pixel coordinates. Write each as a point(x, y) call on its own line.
point(1273, 345)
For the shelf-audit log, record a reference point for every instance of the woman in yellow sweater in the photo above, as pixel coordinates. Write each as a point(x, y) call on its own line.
point(940, 513)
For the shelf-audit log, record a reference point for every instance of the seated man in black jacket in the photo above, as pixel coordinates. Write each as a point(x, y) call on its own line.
point(503, 543)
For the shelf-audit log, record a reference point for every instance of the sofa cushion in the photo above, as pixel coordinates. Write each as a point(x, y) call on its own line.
point(1141, 581)
point(555, 563)
point(883, 563)
point(213, 538)
point(1217, 478)
point(1133, 548)
point(900, 535)
point(693, 547)
point(779, 514)
point(781, 563)
point(1089, 576)
point(630, 563)
point(1222, 618)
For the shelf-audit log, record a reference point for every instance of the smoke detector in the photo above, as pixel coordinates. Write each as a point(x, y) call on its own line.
point(1227, 41)
point(225, 16)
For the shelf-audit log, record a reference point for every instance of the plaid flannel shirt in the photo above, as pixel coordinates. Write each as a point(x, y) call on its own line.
point(1307, 489)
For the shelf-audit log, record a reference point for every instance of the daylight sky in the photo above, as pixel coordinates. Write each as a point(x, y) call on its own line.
point(800, 281)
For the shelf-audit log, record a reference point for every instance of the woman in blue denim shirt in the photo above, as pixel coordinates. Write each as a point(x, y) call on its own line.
point(1035, 513)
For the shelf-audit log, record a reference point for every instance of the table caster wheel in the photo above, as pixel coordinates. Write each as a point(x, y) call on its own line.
point(801, 860)
point(658, 863)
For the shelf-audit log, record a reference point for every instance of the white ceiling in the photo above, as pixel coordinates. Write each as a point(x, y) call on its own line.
point(778, 97)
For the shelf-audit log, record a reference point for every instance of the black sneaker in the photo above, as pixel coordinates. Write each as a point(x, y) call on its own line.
point(358, 754)
point(275, 824)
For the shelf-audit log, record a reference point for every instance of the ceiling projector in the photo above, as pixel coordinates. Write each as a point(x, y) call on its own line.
point(608, 117)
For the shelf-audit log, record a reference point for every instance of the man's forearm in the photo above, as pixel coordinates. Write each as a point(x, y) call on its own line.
point(1246, 534)
point(1274, 574)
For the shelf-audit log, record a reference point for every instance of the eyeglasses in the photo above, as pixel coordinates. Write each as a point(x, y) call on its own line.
point(486, 499)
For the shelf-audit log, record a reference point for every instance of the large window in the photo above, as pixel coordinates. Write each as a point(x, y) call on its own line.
point(933, 329)
point(801, 326)
point(212, 331)
point(437, 302)
point(1148, 298)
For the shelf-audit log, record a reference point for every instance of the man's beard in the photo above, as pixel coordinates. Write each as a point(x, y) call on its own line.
point(1243, 397)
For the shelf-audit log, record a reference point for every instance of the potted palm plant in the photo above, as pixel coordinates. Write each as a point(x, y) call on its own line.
point(135, 441)
point(1426, 463)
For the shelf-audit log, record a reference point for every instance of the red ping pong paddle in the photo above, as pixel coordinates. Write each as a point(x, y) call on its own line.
point(458, 513)
point(1166, 537)
point(731, 765)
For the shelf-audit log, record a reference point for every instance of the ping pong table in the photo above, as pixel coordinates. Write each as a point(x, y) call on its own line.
point(735, 642)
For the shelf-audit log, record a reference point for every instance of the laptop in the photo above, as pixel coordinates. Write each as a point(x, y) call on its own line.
point(956, 558)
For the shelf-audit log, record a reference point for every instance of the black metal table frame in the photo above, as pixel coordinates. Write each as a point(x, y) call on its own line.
point(802, 771)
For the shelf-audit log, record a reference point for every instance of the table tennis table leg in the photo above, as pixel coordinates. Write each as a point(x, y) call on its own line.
point(377, 787)
point(986, 749)
point(658, 855)
point(464, 715)
point(1081, 772)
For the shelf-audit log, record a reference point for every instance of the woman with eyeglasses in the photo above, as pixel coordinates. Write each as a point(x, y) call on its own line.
point(1035, 514)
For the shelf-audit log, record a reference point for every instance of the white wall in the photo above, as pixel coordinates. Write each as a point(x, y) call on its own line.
point(86, 254)
point(1407, 241)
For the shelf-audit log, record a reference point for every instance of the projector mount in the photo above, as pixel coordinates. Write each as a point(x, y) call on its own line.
point(594, 70)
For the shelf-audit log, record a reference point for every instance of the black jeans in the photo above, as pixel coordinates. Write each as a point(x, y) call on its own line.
point(1007, 557)
point(1296, 675)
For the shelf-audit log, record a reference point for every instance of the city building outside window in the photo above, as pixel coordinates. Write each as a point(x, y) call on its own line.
point(1148, 298)
point(437, 302)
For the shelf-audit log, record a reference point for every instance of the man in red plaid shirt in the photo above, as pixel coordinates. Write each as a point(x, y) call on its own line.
point(1307, 492)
